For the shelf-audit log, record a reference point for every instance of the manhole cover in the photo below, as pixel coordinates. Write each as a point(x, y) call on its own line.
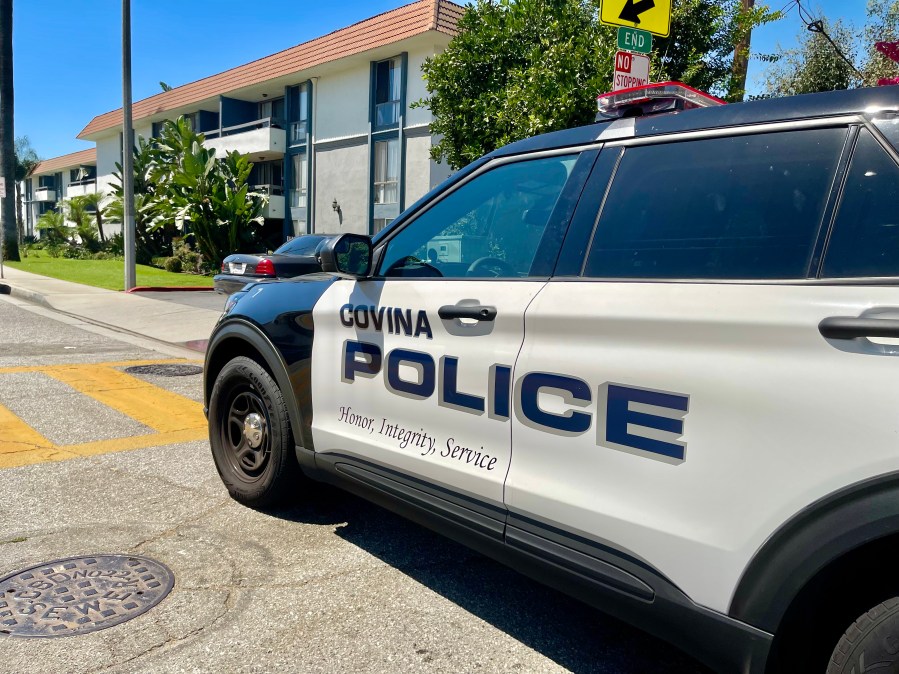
point(165, 370)
point(80, 594)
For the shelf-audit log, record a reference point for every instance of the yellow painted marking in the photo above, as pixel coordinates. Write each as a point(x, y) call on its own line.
point(175, 418)
point(161, 410)
point(122, 363)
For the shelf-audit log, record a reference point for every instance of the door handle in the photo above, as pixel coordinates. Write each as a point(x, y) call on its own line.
point(478, 312)
point(850, 327)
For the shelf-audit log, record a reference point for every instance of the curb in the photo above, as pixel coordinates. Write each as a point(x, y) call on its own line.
point(169, 289)
point(27, 295)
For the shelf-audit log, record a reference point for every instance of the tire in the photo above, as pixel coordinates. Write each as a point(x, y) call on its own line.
point(247, 408)
point(871, 644)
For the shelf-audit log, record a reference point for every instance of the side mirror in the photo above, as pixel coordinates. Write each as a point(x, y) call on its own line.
point(348, 254)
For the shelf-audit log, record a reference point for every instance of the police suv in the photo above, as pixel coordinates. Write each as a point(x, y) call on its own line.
point(653, 362)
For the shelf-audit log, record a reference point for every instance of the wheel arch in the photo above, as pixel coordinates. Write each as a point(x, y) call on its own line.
point(821, 536)
point(242, 338)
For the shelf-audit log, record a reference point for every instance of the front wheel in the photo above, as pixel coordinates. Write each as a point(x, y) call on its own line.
point(249, 431)
point(871, 644)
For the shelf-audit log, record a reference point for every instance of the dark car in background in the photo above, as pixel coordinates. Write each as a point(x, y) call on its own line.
point(294, 258)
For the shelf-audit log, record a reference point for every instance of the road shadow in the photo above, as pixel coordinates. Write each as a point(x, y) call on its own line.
point(568, 632)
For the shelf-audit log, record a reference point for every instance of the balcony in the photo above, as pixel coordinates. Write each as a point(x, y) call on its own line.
point(254, 139)
point(79, 188)
point(275, 206)
point(45, 194)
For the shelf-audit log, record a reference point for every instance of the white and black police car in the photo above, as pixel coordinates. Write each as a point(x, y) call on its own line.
point(653, 362)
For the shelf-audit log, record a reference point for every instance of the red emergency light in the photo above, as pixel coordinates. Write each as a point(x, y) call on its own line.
point(650, 99)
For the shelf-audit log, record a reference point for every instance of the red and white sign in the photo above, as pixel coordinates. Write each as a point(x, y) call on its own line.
point(631, 70)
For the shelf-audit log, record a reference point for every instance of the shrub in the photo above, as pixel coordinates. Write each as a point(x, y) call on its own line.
point(54, 249)
point(158, 262)
point(190, 259)
point(101, 256)
point(115, 245)
point(173, 264)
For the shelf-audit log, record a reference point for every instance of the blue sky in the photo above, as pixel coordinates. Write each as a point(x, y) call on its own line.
point(68, 54)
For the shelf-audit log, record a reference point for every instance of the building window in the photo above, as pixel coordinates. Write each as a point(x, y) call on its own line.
point(388, 89)
point(82, 174)
point(299, 180)
point(381, 223)
point(298, 109)
point(268, 177)
point(387, 171)
point(273, 109)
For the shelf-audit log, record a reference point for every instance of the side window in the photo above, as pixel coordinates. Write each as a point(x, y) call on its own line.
point(490, 227)
point(865, 238)
point(744, 207)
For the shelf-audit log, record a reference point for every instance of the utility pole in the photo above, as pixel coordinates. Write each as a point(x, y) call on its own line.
point(9, 247)
point(741, 60)
point(127, 149)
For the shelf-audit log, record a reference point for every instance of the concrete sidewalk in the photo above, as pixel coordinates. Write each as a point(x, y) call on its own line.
point(166, 322)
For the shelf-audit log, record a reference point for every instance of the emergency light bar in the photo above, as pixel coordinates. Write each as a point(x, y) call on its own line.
point(651, 99)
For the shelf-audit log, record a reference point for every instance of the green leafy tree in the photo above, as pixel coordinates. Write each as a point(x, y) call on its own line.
point(26, 160)
point(152, 238)
point(53, 228)
point(882, 26)
point(76, 212)
point(197, 191)
point(522, 67)
point(815, 65)
point(93, 203)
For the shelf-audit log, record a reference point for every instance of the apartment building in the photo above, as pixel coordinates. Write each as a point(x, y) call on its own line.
point(57, 179)
point(328, 124)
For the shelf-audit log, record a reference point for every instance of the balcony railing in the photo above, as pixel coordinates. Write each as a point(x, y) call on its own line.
point(274, 208)
point(264, 123)
point(257, 139)
point(270, 190)
point(81, 187)
point(45, 194)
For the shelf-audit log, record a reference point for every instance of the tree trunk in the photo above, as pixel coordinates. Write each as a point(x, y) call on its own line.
point(741, 61)
point(100, 225)
point(7, 133)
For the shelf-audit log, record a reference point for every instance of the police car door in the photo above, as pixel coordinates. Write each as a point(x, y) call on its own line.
point(412, 369)
point(687, 389)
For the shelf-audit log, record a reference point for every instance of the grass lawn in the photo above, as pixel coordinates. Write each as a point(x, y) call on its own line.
point(108, 274)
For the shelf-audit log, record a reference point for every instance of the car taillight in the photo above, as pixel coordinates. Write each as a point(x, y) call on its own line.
point(265, 268)
point(224, 267)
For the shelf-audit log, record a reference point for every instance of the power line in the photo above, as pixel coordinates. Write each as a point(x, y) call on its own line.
point(817, 26)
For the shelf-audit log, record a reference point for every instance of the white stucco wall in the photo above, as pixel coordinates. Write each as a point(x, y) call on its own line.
point(416, 88)
point(342, 174)
point(341, 106)
point(107, 156)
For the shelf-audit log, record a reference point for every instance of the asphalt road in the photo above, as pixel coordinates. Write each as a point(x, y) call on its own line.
point(331, 584)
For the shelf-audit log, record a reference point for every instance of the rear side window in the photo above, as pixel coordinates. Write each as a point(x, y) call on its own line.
point(305, 244)
point(865, 239)
point(745, 207)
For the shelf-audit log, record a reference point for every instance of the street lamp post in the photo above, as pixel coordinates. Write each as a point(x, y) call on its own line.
point(127, 150)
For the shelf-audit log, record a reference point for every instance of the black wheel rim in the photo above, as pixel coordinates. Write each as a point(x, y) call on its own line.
point(248, 456)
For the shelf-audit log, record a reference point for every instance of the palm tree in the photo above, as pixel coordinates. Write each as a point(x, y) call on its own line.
point(7, 131)
point(94, 202)
point(26, 161)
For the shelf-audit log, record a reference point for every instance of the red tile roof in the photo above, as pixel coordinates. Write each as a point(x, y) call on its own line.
point(82, 157)
point(378, 31)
